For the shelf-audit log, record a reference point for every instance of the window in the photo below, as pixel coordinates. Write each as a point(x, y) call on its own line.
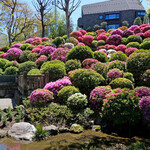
point(112, 16)
point(100, 17)
point(112, 26)
point(140, 13)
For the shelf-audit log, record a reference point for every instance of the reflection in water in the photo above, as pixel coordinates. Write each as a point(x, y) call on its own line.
point(9, 147)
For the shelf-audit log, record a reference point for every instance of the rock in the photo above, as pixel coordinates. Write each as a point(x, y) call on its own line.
point(53, 130)
point(111, 51)
point(69, 45)
point(22, 131)
point(3, 133)
point(76, 128)
point(63, 130)
point(96, 127)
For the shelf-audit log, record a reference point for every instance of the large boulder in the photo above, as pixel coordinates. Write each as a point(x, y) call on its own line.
point(53, 130)
point(22, 131)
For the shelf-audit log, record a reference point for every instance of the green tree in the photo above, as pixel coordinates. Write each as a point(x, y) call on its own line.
point(104, 25)
point(137, 21)
point(125, 23)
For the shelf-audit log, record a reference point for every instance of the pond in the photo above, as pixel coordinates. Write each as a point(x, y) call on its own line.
point(69, 141)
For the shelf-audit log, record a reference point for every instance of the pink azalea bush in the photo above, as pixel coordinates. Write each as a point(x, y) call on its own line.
point(57, 85)
point(114, 73)
point(41, 60)
point(87, 63)
point(76, 34)
point(81, 44)
point(145, 77)
point(114, 39)
point(147, 34)
point(133, 27)
point(44, 39)
point(17, 45)
point(13, 53)
point(130, 50)
point(145, 108)
point(36, 41)
point(87, 40)
point(36, 50)
point(29, 40)
point(121, 47)
point(102, 37)
point(127, 33)
point(137, 30)
point(142, 91)
point(47, 50)
point(97, 96)
point(110, 46)
point(60, 54)
point(146, 28)
point(40, 46)
point(41, 97)
point(82, 31)
point(117, 31)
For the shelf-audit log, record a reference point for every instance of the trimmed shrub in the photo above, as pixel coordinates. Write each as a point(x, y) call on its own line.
point(128, 75)
point(117, 31)
point(41, 96)
point(5, 48)
point(117, 64)
point(58, 40)
point(147, 34)
point(114, 39)
point(94, 44)
point(86, 80)
point(142, 91)
point(24, 46)
point(100, 43)
point(130, 50)
point(47, 50)
point(32, 56)
point(36, 50)
point(101, 68)
point(72, 40)
point(72, 65)
point(77, 101)
point(121, 83)
point(80, 52)
point(127, 33)
point(76, 34)
point(87, 63)
point(114, 73)
point(11, 63)
point(65, 92)
point(145, 45)
point(146, 39)
point(13, 53)
point(100, 56)
point(3, 62)
point(96, 97)
point(102, 37)
point(88, 39)
point(118, 56)
point(41, 60)
point(58, 85)
point(134, 38)
point(11, 70)
point(124, 41)
point(145, 77)
point(26, 66)
point(133, 44)
point(121, 48)
point(34, 72)
point(137, 64)
point(121, 109)
point(24, 56)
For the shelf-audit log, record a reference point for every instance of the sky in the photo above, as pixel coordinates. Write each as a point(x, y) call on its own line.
point(77, 13)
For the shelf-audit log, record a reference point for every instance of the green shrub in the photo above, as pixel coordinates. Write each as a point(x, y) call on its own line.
point(56, 71)
point(11, 63)
point(86, 80)
point(64, 37)
point(100, 56)
point(26, 66)
point(4, 120)
point(11, 70)
point(100, 43)
point(77, 101)
point(134, 38)
point(1, 71)
point(32, 56)
point(80, 52)
point(138, 146)
point(1, 52)
point(121, 110)
point(3, 62)
point(145, 45)
point(65, 92)
point(110, 30)
point(146, 40)
point(137, 64)
point(133, 44)
point(34, 72)
point(128, 75)
point(72, 40)
point(5, 48)
point(24, 56)
point(117, 64)
point(101, 68)
point(140, 51)
point(72, 65)
point(124, 41)
point(118, 56)
point(121, 83)
point(58, 40)
point(1, 114)
point(24, 46)
point(30, 47)
point(9, 113)
point(94, 44)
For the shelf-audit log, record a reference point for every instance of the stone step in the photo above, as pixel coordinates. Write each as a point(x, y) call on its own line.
point(7, 102)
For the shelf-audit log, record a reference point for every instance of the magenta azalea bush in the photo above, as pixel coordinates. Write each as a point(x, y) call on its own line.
point(87, 39)
point(142, 91)
point(13, 53)
point(97, 96)
point(114, 39)
point(41, 60)
point(145, 108)
point(130, 50)
point(57, 85)
point(117, 31)
point(102, 37)
point(87, 63)
point(36, 50)
point(145, 77)
point(41, 96)
point(127, 33)
point(47, 50)
point(121, 48)
point(17, 45)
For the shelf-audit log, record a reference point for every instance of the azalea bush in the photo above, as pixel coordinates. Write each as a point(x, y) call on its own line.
point(13, 53)
point(142, 91)
point(118, 56)
point(47, 50)
point(145, 77)
point(41, 60)
point(114, 39)
point(100, 56)
point(117, 64)
point(87, 63)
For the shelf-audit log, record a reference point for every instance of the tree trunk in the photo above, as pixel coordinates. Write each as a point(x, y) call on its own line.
point(68, 24)
point(43, 27)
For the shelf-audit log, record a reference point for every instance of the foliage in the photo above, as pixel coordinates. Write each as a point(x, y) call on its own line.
point(72, 40)
point(32, 56)
point(121, 83)
point(96, 27)
point(100, 56)
point(130, 50)
point(128, 75)
point(65, 92)
point(133, 44)
point(100, 43)
point(24, 46)
point(138, 146)
point(80, 52)
point(34, 72)
point(24, 56)
point(114, 39)
point(58, 40)
point(118, 56)
point(137, 21)
point(9, 113)
point(1, 114)
point(41, 97)
point(11, 70)
point(124, 41)
point(145, 45)
point(77, 101)
point(125, 23)
point(117, 64)
point(145, 77)
point(104, 25)
point(86, 80)
point(87, 63)
point(3, 62)
point(47, 50)
point(11, 63)
point(41, 60)
point(142, 91)
point(4, 120)
point(134, 38)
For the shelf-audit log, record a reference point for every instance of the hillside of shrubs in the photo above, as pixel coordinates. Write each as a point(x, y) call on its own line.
point(102, 74)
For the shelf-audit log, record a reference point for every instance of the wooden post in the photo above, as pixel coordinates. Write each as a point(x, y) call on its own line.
point(25, 84)
point(46, 77)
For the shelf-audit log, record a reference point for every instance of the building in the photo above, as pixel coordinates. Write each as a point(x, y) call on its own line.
point(112, 11)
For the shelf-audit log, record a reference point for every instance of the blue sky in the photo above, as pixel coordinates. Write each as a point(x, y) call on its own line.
point(77, 13)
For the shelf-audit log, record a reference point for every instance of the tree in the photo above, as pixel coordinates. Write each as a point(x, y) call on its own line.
point(104, 25)
point(15, 17)
point(96, 27)
point(68, 6)
point(146, 19)
point(125, 23)
point(42, 7)
point(137, 21)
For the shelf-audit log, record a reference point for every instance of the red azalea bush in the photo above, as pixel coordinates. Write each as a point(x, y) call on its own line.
point(40, 46)
point(47, 50)
point(41, 97)
point(137, 30)
point(36, 50)
point(121, 47)
point(76, 34)
point(102, 37)
point(114, 39)
point(147, 34)
point(98, 32)
point(36, 41)
point(60, 54)
point(146, 28)
point(130, 50)
point(114, 73)
point(87, 63)
point(44, 39)
point(82, 31)
point(97, 96)
point(87, 39)
point(117, 31)
point(127, 33)
point(110, 46)
point(41, 60)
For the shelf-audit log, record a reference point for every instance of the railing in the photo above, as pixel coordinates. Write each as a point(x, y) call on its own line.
point(28, 83)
